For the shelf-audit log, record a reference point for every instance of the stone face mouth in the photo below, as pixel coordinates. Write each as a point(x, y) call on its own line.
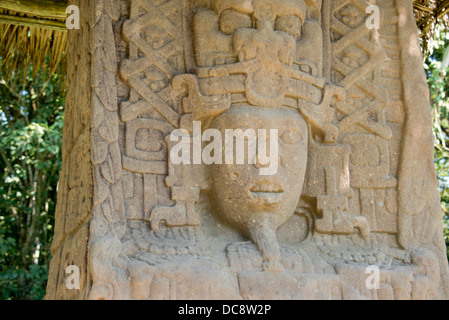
point(266, 188)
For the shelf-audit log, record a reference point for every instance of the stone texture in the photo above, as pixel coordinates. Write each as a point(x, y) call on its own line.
point(355, 185)
point(76, 182)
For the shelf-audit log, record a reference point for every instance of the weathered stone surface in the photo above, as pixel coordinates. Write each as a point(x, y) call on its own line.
point(354, 186)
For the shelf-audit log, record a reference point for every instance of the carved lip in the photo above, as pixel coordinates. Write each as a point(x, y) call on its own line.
point(267, 191)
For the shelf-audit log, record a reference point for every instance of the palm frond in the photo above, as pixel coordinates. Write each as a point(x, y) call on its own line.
point(22, 45)
point(428, 14)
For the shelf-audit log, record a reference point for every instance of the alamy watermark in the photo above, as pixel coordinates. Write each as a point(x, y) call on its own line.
point(373, 280)
point(73, 20)
point(234, 139)
point(373, 21)
point(72, 282)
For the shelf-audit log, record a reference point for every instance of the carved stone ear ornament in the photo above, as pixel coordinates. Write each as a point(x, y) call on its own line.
point(321, 116)
point(202, 107)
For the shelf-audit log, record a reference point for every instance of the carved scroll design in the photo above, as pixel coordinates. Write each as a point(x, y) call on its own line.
point(108, 224)
point(353, 42)
point(333, 206)
point(108, 264)
point(154, 38)
point(132, 68)
point(353, 53)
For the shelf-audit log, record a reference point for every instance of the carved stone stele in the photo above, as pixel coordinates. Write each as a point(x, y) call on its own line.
point(343, 110)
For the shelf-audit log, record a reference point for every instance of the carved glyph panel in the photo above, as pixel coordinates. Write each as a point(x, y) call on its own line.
point(333, 90)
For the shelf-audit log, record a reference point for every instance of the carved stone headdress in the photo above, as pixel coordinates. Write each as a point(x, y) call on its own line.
point(261, 65)
point(265, 66)
point(282, 8)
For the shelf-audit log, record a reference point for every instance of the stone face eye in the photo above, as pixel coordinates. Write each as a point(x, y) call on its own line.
point(291, 136)
point(290, 24)
point(231, 20)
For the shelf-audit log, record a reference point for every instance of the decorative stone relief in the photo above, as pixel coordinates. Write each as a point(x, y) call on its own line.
point(331, 99)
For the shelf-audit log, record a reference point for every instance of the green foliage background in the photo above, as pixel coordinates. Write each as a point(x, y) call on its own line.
point(436, 64)
point(31, 121)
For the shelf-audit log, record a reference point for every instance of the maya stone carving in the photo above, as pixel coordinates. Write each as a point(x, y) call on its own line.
point(339, 97)
point(262, 59)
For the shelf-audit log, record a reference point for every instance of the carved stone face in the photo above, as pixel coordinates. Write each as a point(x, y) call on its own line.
point(254, 45)
point(243, 196)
